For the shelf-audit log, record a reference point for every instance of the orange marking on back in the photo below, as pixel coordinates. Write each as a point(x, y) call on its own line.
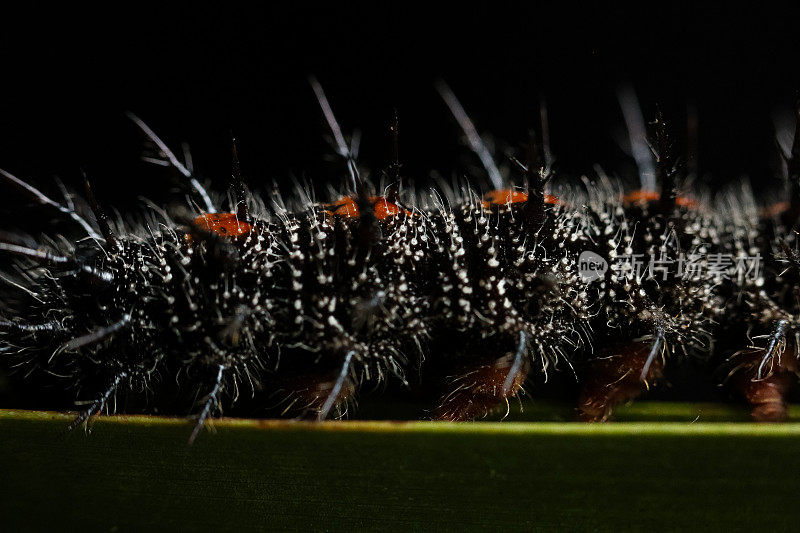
point(642, 196)
point(225, 224)
point(775, 209)
point(348, 207)
point(511, 196)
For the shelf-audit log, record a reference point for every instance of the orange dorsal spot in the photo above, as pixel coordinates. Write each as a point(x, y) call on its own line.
point(775, 210)
point(225, 224)
point(510, 196)
point(642, 196)
point(348, 207)
point(384, 209)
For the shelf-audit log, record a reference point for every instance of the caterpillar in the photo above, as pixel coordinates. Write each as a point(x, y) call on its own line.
point(471, 293)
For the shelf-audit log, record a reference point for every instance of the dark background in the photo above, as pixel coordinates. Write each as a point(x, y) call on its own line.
point(197, 74)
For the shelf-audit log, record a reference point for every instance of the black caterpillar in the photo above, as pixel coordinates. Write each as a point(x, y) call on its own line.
point(470, 293)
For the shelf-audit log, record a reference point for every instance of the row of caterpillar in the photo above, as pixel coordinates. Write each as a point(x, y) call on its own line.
point(472, 292)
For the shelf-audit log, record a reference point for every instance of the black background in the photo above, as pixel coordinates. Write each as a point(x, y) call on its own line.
point(197, 74)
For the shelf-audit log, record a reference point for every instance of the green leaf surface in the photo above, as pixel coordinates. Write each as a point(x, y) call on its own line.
point(134, 473)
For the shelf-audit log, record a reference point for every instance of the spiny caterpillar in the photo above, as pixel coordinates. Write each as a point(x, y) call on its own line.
point(474, 292)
